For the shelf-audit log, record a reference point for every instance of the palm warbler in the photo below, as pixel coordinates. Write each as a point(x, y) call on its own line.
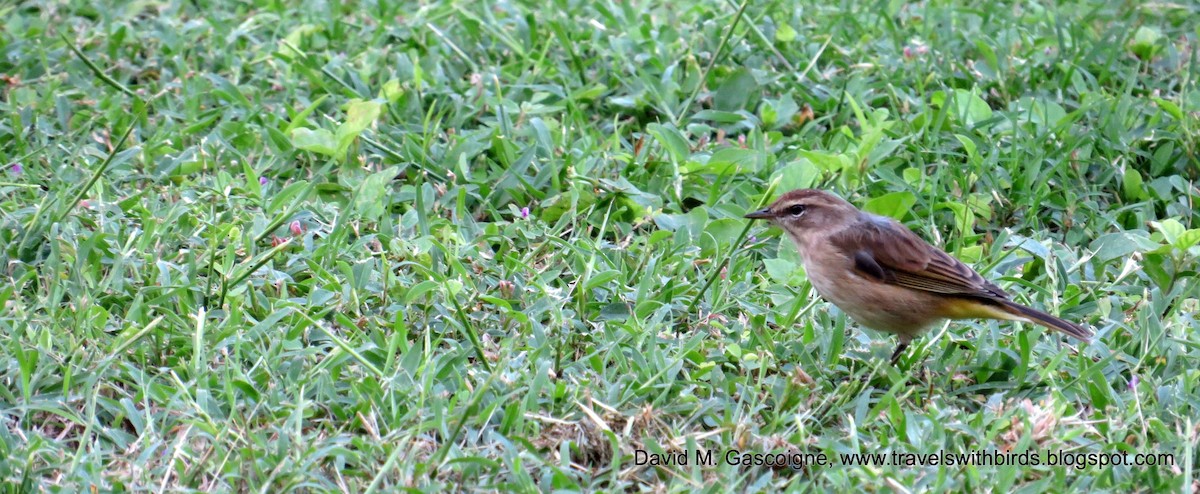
point(884, 276)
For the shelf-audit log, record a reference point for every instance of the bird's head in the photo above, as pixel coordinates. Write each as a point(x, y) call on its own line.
point(804, 211)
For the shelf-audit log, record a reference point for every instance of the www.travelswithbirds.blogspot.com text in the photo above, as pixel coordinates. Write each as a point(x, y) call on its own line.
point(798, 460)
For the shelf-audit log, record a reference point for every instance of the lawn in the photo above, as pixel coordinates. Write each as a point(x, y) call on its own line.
point(330, 246)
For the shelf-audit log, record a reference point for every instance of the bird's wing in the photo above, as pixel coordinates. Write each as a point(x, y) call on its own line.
point(887, 251)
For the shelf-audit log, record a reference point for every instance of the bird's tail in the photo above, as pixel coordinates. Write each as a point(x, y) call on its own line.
point(1047, 320)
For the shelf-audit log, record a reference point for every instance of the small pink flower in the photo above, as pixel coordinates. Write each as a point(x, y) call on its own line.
point(16, 169)
point(1133, 382)
point(296, 228)
point(506, 288)
point(525, 212)
point(262, 180)
point(908, 52)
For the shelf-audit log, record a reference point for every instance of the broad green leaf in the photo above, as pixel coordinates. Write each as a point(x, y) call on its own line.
point(1132, 185)
point(498, 302)
point(671, 140)
point(766, 111)
point(735, 91)
point(883, 148)
point(1042, 112)
point(1188, 239)
point(616, 311)
point(1169, 107)
point(727, 160)
point(1117, 245)
point(787, 251)
point(1145, 42)
point(827, 161)
point(969, 146)
point(187, 163)
point(370, 198)
point(1028, 245)
point(296, 36)
point(725, 229)
point(359, 115)
point(785, 33)
point(1170, 228)
point(971, 254)
point(893, 204)
point(577, 199)
point(722, 117)
point(600, 279)
point(719, 234)
point(667, 222)
point(301, 118)
point(632, 197)
point(589, 93)
point(970, 108)
point(989, 54)
point(734, 350)
point(453, 287)
point(781, 271)
point(912, 175)
point(391, 91)
point(777, 113)
point(964, 217)
point(1177, 235)
point(318, 141)
point(799, 174)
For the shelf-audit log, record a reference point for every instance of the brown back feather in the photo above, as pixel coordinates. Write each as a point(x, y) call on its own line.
point(909, 261)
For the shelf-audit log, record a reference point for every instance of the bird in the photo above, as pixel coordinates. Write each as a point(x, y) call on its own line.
point(887, 278)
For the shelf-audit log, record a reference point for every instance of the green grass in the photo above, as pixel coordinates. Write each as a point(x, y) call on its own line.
point(255, 247)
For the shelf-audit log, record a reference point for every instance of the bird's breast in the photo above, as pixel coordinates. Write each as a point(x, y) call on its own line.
point(867, 301)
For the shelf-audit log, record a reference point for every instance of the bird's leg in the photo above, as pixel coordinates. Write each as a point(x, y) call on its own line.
point(899, 350)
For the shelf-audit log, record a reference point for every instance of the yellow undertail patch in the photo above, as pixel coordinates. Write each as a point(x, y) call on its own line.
point(971, 309)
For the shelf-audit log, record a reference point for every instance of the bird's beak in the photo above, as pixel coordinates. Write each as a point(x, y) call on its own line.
point(762, 214)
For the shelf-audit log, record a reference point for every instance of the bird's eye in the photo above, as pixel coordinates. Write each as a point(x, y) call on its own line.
point(796, 209)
